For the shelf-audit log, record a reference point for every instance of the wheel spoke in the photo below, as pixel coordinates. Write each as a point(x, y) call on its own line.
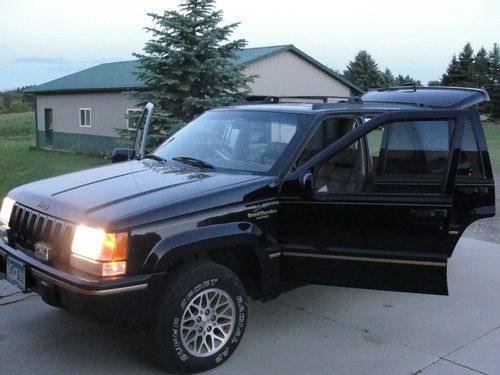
point(207, 322)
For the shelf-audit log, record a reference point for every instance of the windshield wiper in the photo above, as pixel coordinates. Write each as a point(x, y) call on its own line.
point(193, 161)
point(154, 157)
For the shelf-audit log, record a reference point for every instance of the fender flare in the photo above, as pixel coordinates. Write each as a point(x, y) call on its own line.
point(202, 240)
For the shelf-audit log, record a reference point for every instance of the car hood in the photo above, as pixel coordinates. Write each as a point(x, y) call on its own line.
point(120, 195)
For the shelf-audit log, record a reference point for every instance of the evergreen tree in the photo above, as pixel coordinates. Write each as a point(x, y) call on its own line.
point(187, 65)
point(466, 66)
point(363, 71)
point(494, 80)
point(387, 78)
point(481, 68)
point(399, 80)
point(453, 73)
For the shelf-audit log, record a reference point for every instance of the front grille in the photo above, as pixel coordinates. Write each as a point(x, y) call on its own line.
point(27, 227)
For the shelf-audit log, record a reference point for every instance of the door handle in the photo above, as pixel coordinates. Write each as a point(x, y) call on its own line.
point(440, 212)
point(481, 190)
point(423, 213)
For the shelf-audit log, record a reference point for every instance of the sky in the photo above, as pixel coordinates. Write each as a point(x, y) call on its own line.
point(44, 40)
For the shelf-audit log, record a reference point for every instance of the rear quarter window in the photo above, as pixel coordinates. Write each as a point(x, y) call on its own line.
point(470, 163)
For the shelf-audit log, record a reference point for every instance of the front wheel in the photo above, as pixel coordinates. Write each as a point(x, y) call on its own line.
point(200, 318)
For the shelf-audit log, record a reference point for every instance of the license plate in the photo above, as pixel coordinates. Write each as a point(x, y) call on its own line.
point(16, 273)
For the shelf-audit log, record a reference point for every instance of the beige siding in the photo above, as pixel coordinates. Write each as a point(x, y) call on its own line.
point(286, 74)
point(108, 112)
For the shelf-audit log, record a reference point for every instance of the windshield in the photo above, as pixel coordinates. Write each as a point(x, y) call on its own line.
point(240, 141)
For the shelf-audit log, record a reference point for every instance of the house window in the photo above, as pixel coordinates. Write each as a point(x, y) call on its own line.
point(85, 118)
point(133, 117)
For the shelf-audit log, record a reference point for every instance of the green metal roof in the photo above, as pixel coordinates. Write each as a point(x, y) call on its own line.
point(251, 55)
point(119, 76)
point(104, 77)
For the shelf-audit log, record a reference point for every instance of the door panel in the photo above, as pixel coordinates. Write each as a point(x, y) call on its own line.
point(367, 245)
point(382, 220)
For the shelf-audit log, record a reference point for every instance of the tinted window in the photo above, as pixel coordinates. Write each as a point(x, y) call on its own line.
point(402, 158)
point(417, 148)
point(470, 158)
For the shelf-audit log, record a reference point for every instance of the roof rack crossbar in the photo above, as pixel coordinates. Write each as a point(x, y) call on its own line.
point(324, 98)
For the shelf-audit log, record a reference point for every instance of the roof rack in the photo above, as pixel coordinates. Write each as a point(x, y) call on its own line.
point(294, 98)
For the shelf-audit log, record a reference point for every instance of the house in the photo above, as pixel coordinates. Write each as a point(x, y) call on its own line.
point(82, 111)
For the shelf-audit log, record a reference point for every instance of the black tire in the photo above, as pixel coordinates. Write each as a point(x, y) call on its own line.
point(187, 340)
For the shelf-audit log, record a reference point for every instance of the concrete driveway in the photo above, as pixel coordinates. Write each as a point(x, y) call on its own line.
point(312, 330)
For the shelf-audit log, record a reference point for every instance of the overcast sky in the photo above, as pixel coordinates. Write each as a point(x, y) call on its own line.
point(44, 40)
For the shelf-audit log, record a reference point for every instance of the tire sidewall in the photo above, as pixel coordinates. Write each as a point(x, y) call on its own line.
point(173, 349)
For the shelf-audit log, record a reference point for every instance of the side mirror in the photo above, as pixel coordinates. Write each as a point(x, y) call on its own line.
point(122, 154)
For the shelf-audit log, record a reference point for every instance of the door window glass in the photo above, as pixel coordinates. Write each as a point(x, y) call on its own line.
point(401, 158)
point(417, 148)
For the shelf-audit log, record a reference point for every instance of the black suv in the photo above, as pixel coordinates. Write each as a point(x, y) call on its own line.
point(371, 192)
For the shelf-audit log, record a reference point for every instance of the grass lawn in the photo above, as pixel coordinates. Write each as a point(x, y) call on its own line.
point(492, 132)
point(21, 163)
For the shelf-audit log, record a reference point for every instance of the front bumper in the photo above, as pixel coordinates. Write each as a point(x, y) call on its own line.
point(79, 291)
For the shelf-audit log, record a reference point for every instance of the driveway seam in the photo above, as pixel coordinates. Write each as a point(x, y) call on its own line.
point(421, 371)
point(464, 366)
point(470, 342)
point(18, 300)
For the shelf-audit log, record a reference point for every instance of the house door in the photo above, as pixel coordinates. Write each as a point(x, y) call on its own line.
point(49, 136)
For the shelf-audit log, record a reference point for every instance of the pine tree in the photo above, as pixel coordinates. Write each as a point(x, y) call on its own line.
point(466, 66)
point(453, 73)
point(387, 78)
point(363, 71)
point(399, 80)
point(187, 64)
point(481, 64)
point(494, 80)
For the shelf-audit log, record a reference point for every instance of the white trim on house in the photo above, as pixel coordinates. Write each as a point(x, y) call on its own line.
point(129, 110)
point(87, 119)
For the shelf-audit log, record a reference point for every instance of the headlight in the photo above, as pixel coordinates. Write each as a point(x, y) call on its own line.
point(6, 210)
point(95, 251)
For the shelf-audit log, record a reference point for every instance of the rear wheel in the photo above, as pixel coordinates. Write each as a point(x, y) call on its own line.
point(200, 318)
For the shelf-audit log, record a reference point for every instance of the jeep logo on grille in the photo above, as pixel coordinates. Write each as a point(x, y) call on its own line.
point(43, 251)
point(44, 206)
